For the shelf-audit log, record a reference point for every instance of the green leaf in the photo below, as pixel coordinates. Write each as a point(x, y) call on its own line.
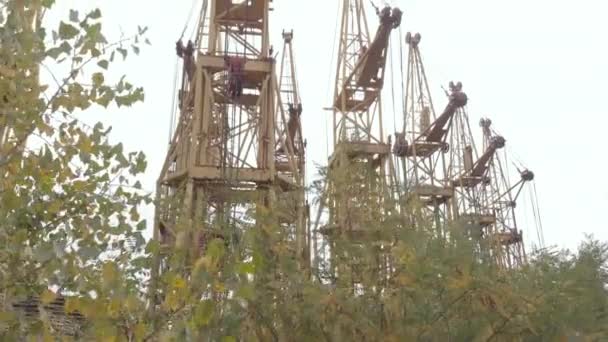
point(216, 249)
point(123, 52)
point(95, 14)
point(103, 64)
point(246, 292)
point(11, 200)
point(74, 16)
point(89, 253)
point(67, 31)
point(44, 252)
point(110, 273)
point(203, 313)
point(98, 79)
point(142, 225)
point(246, 268)
point(48, 3)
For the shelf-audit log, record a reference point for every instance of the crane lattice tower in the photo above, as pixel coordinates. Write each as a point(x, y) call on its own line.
point(421, 147)
point(502, 196)
point(232, 152)
point(467, 171)
point(484, 201)
point(359, 190)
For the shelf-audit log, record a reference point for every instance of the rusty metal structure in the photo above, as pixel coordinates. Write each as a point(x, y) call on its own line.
point(445, 175)
point(237, 143)
point(484, 199)
point(502, 196)
point(360, 188)
point(435, 166)
point(422, 145)
point(237, 146)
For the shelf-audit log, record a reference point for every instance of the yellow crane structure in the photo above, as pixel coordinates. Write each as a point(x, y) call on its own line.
point(359, 191)
point(236, 146)
point(443, 173)
point(502, 196)
point(422, 145)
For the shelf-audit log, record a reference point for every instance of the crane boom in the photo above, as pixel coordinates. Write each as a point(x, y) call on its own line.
point(367, 78)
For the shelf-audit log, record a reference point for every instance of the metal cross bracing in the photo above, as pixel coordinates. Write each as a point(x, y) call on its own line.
point(290, 157)
point(445, 176)
point(460, 161)
point(358, 191)
point(500, 194)
point(421, 147)
point(484, 200)
point(468, 174)
point(228, 156)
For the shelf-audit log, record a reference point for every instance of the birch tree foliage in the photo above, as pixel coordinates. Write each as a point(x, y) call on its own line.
point(68, 199)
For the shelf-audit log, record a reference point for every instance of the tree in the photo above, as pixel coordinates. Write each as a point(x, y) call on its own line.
point(71, 236)
point(69, 205)
point(435, 290)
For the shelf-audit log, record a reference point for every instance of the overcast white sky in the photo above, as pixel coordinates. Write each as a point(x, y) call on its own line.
point(538, 68)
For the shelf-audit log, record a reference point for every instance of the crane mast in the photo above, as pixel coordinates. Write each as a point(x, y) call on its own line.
point(506, 238)
point(358, 193)
point(484, 201)
point(466, 173)
point(421, 146)
point(291, 154)
point(229, 154)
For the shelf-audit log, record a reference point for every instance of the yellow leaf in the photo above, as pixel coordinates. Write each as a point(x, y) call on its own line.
point(79, 185)
point(219, 287)
point(48, 337)
point(201, 264)
point(9, 73)
point(485, 333)
point(72, 305)
point(114, 308)
point(131, 304)
point(109, 273)
point(54, 207)
point(179, 283)
point(461, 282)
point(139, 331)
point(172, 302)
point(404, 280)
point(48, 297)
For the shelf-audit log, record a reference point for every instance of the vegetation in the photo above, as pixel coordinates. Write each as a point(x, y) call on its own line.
point(70, 226)
point(68, 205)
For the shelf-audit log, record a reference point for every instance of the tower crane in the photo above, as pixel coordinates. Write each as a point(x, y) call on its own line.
point(422, 145)
point(358, 192)
point(506, 237)
point(290, 157)
point(223, 162)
